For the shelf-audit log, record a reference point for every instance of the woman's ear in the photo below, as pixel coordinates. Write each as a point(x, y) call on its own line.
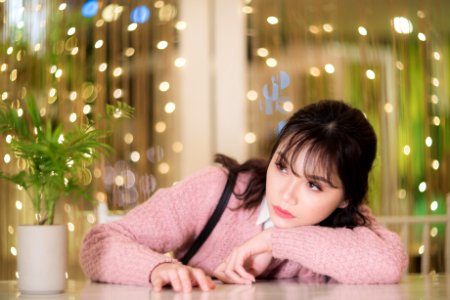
point(344, 203)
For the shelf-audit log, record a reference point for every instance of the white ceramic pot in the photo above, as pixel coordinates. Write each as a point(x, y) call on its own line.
point(42, 258)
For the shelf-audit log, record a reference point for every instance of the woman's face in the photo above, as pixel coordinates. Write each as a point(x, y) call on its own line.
point(295, 200)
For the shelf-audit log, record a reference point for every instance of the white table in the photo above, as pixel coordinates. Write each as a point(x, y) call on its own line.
point(433, 287)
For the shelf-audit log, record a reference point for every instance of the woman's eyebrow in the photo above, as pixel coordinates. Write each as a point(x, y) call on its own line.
point(322, 179)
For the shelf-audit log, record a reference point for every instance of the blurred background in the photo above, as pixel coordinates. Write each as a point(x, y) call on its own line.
point(221, 76)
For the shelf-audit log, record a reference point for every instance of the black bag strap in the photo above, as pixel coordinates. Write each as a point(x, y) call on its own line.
point(215, 217)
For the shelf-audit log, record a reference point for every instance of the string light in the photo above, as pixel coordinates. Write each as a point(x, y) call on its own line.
point(135, 156)
point(250, 138)
point(435, 164)
point(434, 205)
point(388, 108)
point(362, 30)
point(169, 107)
point(128, 138)
point(98, 44)
point(160, 127)
point(162, 45)
point(247, 10)
point(263, 52)
point(421, 36)
point(329, 68)
point(62, 6)
point(272, 20)
point(271, 62)
point(402, 25)
point(422, 186)
point(314, 71)
point(71, 31)
point(370, 74)
point(129, 52)
point(180, 62)
point(181, 25)
point(436, 55)
point(327, 27)
point(314, 29)
point(164, 168)
point(164, 86)
point(406, 150)
point(132, 27)
point(252, 95)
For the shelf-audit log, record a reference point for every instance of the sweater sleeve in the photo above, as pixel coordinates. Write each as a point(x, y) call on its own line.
point(126, 251)
point(363, 255)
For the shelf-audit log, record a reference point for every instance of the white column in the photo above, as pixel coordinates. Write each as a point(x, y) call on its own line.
point(230, 80)
point(213, 82)
point(195, 86)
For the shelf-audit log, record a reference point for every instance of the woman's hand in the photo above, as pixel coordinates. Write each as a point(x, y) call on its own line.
point(181, 277)
point(247, 261)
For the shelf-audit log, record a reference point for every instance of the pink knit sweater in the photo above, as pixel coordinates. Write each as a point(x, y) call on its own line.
point(126, 251)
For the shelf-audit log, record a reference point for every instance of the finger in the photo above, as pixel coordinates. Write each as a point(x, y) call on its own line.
point(201, 279)
point(185, 279)
point(157, 284)
point(175, 280)
point(240, 270)
point(234, 277)
point(211, 283)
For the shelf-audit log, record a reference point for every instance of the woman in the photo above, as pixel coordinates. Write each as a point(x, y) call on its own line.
point(299, 214)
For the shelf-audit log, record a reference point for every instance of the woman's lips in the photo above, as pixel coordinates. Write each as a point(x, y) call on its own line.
point(282, 213)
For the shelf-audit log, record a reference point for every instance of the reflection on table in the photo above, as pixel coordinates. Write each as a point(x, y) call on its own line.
point(412, 287)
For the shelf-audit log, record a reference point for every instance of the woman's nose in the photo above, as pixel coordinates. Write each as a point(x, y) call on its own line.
point(289, 194)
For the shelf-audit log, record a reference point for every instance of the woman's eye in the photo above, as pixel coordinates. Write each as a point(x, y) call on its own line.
point(314, 186)
point(281, 167)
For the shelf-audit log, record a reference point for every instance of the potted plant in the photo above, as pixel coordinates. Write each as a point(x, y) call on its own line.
point(55, 164)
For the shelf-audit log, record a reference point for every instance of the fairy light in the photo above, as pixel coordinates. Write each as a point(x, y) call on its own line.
point(62, 6)
point(388, 108)
point(52, 92)
point(169, 107)
point(436, 121)
point(13, 75)
point(4, 96)
point(119, 180)
point(8, 139)
point(87, 109)
point(420, 14)
point(247, 10)
point(329, 68)
point(362, 30)
point(435, 164)
point(262, 52)
point(314, 71)
point(102, 67)
point(370, 74)
point(250, 138)
point(288, 106)
point(422, 186)
point(163, 168)
point(58, 73)
point(327, 27)
point(428, 141)
point(161, 45)
point(74, 51)
point(13, 251)
point(73, 95)
point(117, 72)
point(435, 82)
point(181, 25)
point(159, 4)
point(128, 138)
point(132, 26)
point(70, 227)
point(20, 112)
point(129, 52)
point(436, 55)
point(164, 86)
point(421, 36)
point(314, 29)
point(53, 69)
point(421, 249)
point(19, 205)
point(399, 65)
point(180, 62)
point(135, 156)
point(71, 31)
point(7, 158)
point(434, 232)
point(10, 230)
point(272, 20)
point(98, 44)
point(90, 218)
point(160, 127)
point(37, 47)
point(99, 23)
point(271, 62)
point(10, 50)
point(434, 205)
point(252, 95)
point(177, 147)
point(406, 150)
point(4, 67)
point(72, 117)
point(402, 25)
point(117, 93)
point(434, 99)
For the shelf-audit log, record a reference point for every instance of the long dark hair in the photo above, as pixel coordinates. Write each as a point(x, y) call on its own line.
point(337, 138)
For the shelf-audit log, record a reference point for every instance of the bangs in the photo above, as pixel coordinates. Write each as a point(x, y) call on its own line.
point(319, 157)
